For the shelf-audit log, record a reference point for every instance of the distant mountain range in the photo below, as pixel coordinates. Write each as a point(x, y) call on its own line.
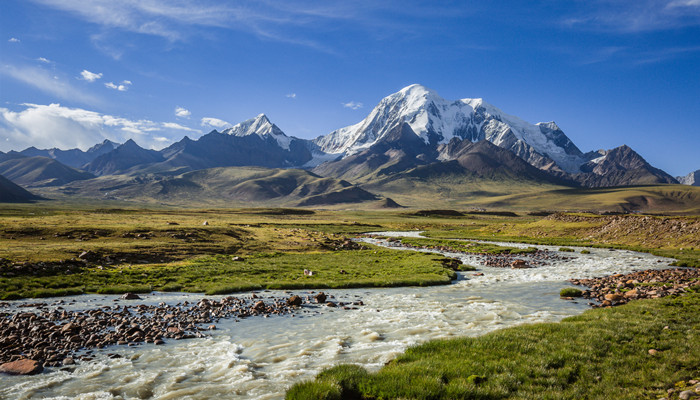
point(412, 135)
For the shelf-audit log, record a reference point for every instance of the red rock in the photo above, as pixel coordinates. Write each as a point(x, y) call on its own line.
point(259, 306)
point(24, 366)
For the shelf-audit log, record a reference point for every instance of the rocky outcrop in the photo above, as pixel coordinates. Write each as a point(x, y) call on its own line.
point(619, 289)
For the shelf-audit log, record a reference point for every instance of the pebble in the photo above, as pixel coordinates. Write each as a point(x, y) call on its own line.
point(54, 337)
point(619, 289)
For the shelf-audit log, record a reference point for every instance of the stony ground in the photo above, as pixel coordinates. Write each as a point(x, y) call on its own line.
point(619, 289)
point(53, 336)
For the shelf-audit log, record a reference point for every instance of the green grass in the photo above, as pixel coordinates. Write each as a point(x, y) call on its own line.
point(220, 274)
point(601, 354)
point(570, 292)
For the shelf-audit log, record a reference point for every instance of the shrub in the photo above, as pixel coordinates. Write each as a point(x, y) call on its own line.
point(570, 292)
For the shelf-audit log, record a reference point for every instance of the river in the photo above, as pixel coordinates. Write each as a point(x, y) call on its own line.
point(259, 358)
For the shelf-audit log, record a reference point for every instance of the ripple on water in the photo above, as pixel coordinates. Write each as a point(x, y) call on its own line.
point(260, 358)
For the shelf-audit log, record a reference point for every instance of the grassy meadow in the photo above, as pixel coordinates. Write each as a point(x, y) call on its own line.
point(601, 354)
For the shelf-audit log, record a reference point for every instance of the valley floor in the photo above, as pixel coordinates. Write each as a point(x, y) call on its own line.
point(54, 251)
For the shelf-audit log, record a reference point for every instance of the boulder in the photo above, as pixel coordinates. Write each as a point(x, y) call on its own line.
point(130, 296)
point(320, 297)
point(294, 301)
point(613, 297)
point(23, 366)
point(259, 306)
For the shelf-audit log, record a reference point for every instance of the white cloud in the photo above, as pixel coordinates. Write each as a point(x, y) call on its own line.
point(182, 112)
point(13, 40)
point(292, 95)
point(47, 82)
point(214, 122)
point(122, 87)
point(631, 16)
point(90, 76)
point(53, 125)
point(353, 105)
point(176, 126)
point(268, 20)
point(44, 60)
point(684, 3)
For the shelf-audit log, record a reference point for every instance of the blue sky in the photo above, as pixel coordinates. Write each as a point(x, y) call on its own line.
point(73, 72)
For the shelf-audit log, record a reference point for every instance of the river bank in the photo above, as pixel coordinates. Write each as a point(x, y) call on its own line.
point(263, 357)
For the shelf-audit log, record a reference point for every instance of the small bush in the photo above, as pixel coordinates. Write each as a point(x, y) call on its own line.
point(585, 252)
point(171, 287)
point(314, 391)
point(566, 249)
point(11, 296)
point(570, 292)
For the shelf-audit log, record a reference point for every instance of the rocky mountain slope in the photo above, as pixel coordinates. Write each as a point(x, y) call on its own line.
point(13, 193)
point(437, 121)
point(39, 171)
point(692, 179)
point(621, 166)
point(235, 186)
point(413, 131)
point(75, 158)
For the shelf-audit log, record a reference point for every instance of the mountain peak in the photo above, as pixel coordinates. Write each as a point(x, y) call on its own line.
point(436, 120)
point(261, 126)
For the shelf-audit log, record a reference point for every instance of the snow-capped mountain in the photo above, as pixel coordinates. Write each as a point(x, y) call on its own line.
point(437, 121)
point(412, 128)
point(692, 179)
point(618, 167)
point(262, 127)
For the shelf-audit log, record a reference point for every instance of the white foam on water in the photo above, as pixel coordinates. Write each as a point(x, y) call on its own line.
point(259, 358)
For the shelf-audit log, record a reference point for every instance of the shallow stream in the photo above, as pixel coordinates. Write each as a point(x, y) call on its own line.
point(259, 358)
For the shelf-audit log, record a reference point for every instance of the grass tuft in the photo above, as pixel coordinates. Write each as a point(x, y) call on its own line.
point(570, 292)
point(601, 354)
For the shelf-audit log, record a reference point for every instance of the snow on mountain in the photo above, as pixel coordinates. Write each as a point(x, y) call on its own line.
point(262, 127)
point(692, 179)
point(436, 121)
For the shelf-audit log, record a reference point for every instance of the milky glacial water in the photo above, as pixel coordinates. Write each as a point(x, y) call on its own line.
point(259, 358)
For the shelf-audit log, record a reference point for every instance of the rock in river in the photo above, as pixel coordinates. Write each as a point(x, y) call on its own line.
point(23, 366)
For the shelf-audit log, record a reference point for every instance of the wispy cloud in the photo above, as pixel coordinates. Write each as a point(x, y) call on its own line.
point(631, 16)
point(291, 95)
point(13, 40)
point(122, 87)
point(214, 122)
point(182, 112)
point(89, 76)
point(47, 82)
point(353, 105)
point(63, 127)
point(176, 126)
point(298, 23)
point(44, 60)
